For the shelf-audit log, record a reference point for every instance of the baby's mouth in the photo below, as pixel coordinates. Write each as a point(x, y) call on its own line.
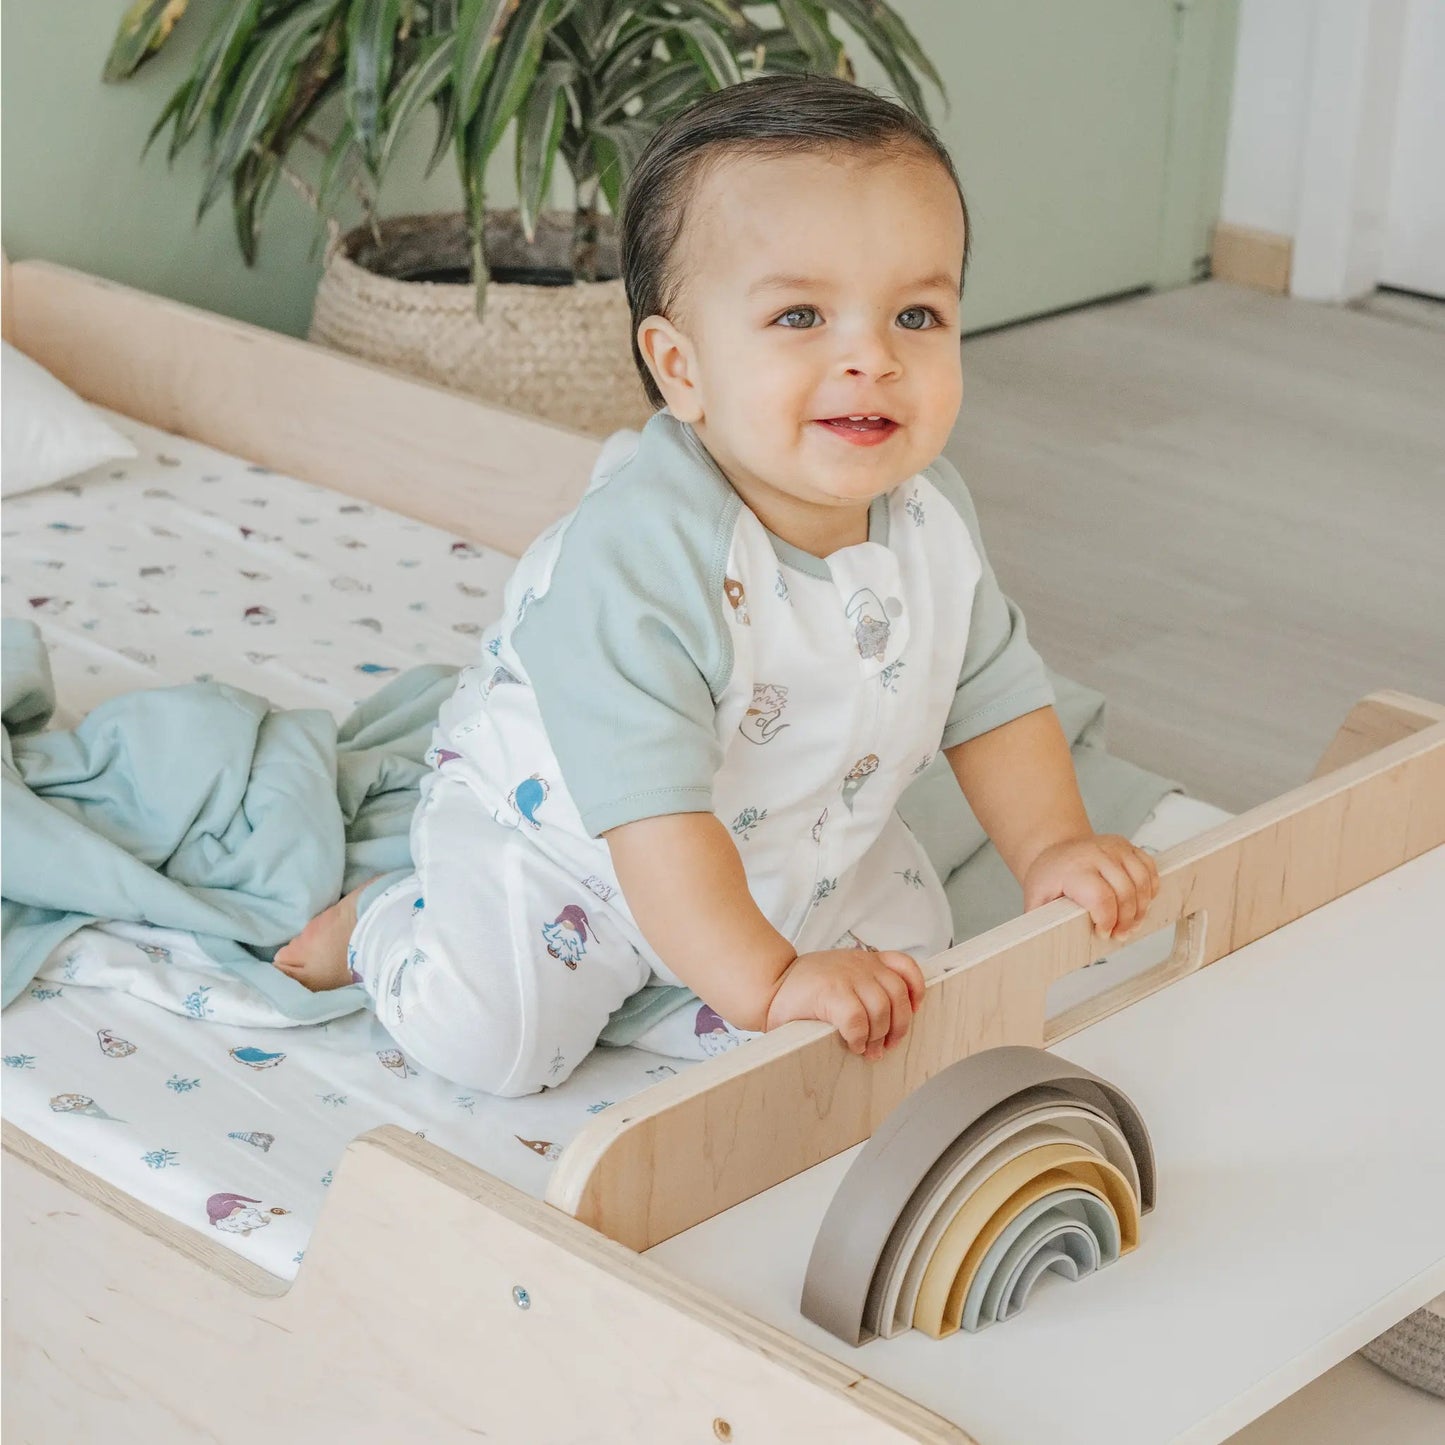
point(869, 428)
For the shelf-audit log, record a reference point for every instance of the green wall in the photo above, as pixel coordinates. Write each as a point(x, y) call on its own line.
point(74, 189)
point(1090, 139)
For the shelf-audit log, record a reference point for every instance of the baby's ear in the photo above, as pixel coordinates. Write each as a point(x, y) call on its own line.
point(670, 358)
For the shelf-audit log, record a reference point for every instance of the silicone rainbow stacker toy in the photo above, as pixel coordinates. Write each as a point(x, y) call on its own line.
point(1010, 1163)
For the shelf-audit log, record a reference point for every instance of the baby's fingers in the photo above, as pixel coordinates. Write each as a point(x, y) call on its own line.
point(875, 999)
point(1097, 894)
point(1130, 905)
point(906, 967)
point(1145, 877)
point(847, 1014)
point(896, 988)
point(862, 1014)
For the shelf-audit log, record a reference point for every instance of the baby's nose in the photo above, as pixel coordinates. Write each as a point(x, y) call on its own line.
point(871, 357)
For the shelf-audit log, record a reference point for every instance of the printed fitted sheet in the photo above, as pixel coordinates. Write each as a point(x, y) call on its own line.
point(189, 564)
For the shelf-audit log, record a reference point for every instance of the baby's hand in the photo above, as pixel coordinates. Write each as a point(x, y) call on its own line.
point(870, 997)
point(1104, 873)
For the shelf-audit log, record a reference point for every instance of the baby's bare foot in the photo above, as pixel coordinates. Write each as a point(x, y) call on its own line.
point(316, 957)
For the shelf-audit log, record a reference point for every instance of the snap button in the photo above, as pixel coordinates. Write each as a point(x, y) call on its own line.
point(893, 607)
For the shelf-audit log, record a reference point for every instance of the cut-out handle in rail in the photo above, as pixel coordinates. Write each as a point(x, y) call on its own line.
point(1184, 958)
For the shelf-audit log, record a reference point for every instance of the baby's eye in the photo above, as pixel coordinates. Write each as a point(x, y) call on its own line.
point(924, 319)
point(806, 311)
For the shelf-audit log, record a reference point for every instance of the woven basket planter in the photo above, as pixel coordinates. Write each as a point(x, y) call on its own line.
point(1414, 1349)
point(560, 352)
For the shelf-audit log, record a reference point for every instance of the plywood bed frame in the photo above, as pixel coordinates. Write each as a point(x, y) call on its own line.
point(435, 1302)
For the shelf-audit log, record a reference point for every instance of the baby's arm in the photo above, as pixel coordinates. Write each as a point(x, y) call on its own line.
point(684, 882)
point(1019, 780)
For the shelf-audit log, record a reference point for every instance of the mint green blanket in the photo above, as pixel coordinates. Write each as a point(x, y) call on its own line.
point(199, 808)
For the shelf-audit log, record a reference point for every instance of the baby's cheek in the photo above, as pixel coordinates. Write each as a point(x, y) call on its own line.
point(771, 400)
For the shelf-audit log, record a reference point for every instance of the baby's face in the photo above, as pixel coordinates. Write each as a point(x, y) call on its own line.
point(816, 289)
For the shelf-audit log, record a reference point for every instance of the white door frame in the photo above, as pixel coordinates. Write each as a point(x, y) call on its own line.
point(1415, 226)
point(1357, 49)
point(1312, 142)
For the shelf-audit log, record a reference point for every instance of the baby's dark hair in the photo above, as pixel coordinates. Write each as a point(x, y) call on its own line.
point(772, 115)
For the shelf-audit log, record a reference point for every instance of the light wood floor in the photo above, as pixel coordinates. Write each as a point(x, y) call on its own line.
point(1226, 510)
point(1356, 1403)
point(1223, 509)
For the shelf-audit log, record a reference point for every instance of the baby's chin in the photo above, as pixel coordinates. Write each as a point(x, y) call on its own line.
point(824, 489)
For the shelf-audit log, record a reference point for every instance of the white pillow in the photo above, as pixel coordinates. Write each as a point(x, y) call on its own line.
point(47, 433)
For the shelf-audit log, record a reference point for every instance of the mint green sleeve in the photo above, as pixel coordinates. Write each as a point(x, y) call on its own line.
point(627, 653)
point(1002, 677)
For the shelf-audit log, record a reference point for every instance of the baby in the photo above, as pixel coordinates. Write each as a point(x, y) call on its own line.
point(678, 759)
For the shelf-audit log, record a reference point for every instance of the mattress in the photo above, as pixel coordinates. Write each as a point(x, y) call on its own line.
point(189, 564)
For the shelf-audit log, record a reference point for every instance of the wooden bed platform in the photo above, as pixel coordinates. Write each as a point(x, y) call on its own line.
point(436, 1303)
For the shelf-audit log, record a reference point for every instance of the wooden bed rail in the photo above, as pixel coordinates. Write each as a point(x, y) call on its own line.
point(435, 1303)
point(722, 1131)
point(475, 469)
point(1375, 722)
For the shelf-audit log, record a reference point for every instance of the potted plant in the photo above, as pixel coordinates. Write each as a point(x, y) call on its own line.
point(521, 306)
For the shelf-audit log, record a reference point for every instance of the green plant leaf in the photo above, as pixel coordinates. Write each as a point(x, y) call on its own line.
point(905, 42)
point(418, 86)
point(892, 44)
point(667, 91)
point(143, 29)
point(587, 22)
point(562, 9)
point(733, 16)
point(810, 26)
point(615, 20)
point(622, 144)
point(539, 132)
point(443, 17)
point(172, 107)
point(506, 77)
point(506, 85)
point(710, 53)
point(446, 104)
point(215, 67)
point(610, 103)
point(260, 94)
point(336, 170)
point(314, 80)
point(782, 55)
point(565, 40)
point(371, 27)
point(252, 186)
point(607, 169)
point(479, 34)
point(518, 60)
point(636, 48)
